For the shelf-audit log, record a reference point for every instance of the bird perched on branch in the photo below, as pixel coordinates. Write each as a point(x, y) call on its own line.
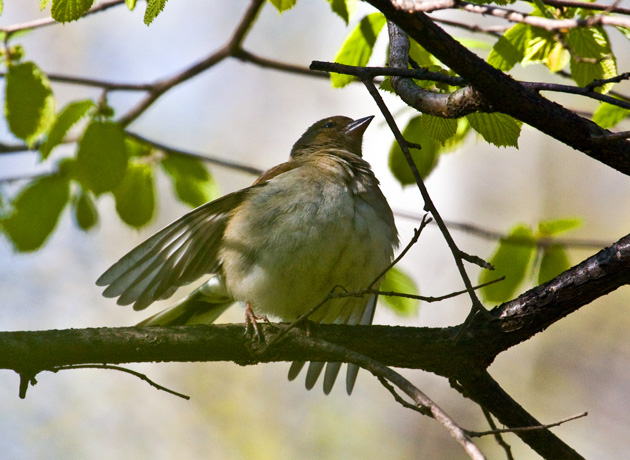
point(280, 246)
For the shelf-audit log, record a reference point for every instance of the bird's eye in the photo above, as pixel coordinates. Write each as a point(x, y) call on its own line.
point(330, 124)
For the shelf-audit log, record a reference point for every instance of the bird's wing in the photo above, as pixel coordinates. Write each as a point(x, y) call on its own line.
point(178, 254)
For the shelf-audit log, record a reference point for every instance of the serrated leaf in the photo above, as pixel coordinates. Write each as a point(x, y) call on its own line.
point(425, 159)
point(36, 211)
point(438, 128)
point(343, 8)
point(283, 5)
point(29, 101)
point(102, 157)
point(397, 281)
point(69, 10)
point(43, 4)
point(557, 59)
point(135, 195)
point(511, 259)
point(85, 212)
point(557, 226)
point(463, 128)
point(68, 116)
point(192, 182)
point(154, 8)
point(357, 48)
point(625, 31)
point(590, 44)
point(554, 261)
point(510, 48)
point(496, 128)
point(608, 115)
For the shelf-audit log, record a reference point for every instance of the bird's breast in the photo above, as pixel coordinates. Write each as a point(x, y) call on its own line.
point(300, 235)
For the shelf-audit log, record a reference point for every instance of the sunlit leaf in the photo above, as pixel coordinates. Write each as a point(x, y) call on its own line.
point(135, 195)
point(283, 5)
point(102, 157)
point(154, 8)
point(554, 261)
point(609, 116)
point(36, 211)
point(29, 101)
point(68, 116)
point(511, 259)
point(438, 128)
point(397, 281)
point(425, 159)
point(496, 128)
point(510, 48)
point(69, 10)
point(343, 8)
point(192, 182)
point(558, 226)
point(85, 212)
point(592, 57)
point(358, 46)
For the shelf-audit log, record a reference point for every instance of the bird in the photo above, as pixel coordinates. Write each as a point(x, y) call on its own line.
point(304, 228)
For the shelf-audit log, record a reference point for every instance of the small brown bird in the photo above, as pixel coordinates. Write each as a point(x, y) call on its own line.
point(280, 246)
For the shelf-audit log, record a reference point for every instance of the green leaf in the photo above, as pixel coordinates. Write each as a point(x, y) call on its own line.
point(154, 8)
point(397, 281)
point(358, 46)
point(591, 44)
point(438, 128)
point(131, 4)
point(608, 115)
point(102, 157)
point(510, 48)
point(452, 143)
point(511, 259)
point(36, 211)
point(554, 261)
point(1, 6)
point(68, 116)
point(135, 196)
point(69, 10)
point(43, 4)
point(283, 5)
point(420, 56)
point(85, 212)
point(29, 101)
point(343, 8)
point(557, 226)
point(625, 31)
point(192, 183)
point(425, 159)
point(496, 128)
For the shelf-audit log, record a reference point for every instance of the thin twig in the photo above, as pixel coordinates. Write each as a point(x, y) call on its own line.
point(497, 436)
point(477, 434)
point(121, 369)
point(420, 409)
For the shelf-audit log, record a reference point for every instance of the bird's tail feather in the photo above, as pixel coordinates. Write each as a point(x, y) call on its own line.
point(193, 309)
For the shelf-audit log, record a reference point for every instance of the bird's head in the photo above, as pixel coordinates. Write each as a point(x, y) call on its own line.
point(338, 132)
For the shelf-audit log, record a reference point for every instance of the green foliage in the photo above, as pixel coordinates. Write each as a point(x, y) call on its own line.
point(511, 259)
point(558, 226)
point(357, 48)
point(29, 101)
point(35, 212)
point(131, 4)
point(69, 10)
point(592, 58)
point(513, 256)
point(135, 195)
point(608, 115)
point(496, 128)
point(154, 8)
point(192, 183)
point(343, 8)
point(68, 116)
point(85, 212)
point(554, 261)
point(425, 159)
point(101, 157)
point(542, 46)
point(510, 48)
point(398, 281)
point(283, 5)
point(438, 128)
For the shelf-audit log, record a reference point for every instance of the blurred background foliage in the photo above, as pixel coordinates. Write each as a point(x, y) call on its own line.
point(249, 115)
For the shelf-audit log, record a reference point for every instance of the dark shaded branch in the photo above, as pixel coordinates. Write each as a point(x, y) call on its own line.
point(506, 94)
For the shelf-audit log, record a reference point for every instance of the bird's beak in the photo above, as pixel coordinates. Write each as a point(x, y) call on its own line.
point(356, 129)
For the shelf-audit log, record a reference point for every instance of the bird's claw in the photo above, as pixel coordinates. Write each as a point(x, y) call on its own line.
point(252, 328)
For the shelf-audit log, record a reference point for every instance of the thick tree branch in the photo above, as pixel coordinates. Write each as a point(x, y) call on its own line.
point(506, 94)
